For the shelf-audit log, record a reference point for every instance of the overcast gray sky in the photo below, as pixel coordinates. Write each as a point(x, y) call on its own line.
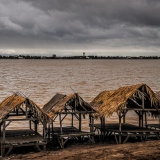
point(71, 27)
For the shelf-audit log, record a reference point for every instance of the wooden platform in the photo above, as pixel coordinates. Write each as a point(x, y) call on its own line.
point(127, 130)
point(18, 138)
point(70, 132)
point(153, 126)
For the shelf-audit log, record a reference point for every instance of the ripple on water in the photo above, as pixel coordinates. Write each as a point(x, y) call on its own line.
point(41, 79)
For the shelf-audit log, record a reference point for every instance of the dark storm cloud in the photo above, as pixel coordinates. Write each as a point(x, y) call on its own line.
point(74, 23)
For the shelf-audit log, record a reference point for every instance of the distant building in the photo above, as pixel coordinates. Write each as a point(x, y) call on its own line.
point(54, 55)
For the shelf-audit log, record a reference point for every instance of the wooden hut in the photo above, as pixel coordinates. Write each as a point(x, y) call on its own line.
point(139, 98)
point(62, 106)
point(157, 124)
point(20, 109)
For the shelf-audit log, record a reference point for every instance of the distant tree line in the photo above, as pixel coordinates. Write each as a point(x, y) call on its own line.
point(75, 57)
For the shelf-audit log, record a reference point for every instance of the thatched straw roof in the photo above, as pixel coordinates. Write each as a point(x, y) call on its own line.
point(13, 101)
point(61, 103)
point(158, 95)
point(100, 99)
point(128, 97)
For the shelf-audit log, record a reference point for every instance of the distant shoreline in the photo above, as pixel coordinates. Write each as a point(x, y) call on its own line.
point(79, 57)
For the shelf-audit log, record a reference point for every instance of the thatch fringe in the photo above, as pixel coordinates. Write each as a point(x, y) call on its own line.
point(14, 101)
point(117, 101)
point(72, 101)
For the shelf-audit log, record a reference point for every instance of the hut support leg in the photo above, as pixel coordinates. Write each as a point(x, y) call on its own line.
point(120, 128)
point(49, 130)
point(38, 147)
point(30, 125)
point(60, 123)
point(3, 141)
point(9, 150)
point(72, 119)
point(126, 139)
point(116, 138)
point(102, 128)
point(44, 147)
point(80, 121)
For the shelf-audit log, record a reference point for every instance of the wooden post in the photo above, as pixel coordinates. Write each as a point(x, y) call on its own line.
point(102, 127)
point(60, 121)
point(26, 108)
point(141, 119)
point(92, 124)
point(35, 126)
point(52, 129)
point(143, 98)
point(49, 130)
point(142, 106)
point(145, 120)
point(3, 140)
point(91, 121)
point(72, 118)
point(30, 124)
point(0, 128)
point(44, 130)
point(120, 128)
point(124, 116)
point(80, 121)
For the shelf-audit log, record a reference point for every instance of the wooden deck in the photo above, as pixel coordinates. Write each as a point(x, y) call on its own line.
point(70, 132)
point(153, 126)
point(127, 130)
point(18, 138)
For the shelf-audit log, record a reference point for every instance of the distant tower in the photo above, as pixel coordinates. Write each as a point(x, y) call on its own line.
point(83, 54)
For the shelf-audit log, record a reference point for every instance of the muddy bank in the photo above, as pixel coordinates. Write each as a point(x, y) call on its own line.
point(138, 150)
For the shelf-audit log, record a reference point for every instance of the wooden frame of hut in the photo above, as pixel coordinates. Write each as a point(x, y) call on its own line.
point(16, 108)
point(139, 98)
point(61, 106)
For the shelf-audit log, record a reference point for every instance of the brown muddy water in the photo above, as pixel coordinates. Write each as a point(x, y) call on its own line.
point(42, 79)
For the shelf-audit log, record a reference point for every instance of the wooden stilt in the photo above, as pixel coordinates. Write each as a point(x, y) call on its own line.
point(120, 128)
point(72, 119)
point(60, 121)
point(80, 121)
